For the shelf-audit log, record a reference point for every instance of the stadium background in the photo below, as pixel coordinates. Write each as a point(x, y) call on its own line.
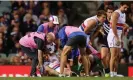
point(19, 17)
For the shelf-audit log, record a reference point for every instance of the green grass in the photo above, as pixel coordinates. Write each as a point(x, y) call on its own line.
point(70, 78)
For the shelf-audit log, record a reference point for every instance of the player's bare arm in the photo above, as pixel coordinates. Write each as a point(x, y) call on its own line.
point(114, 21)
point(96, 34)
point(40, 59)
point(125, 27)
point(91, 25)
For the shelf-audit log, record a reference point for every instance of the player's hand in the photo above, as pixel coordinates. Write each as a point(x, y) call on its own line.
point(59, 51)
point(42, 70)
point(102, 31)
point(117, 41)
point(90, 43)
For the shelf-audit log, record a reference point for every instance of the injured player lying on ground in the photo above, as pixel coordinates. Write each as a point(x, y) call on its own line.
point(52, 64)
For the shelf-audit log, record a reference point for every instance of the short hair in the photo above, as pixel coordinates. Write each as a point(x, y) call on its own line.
point(109, 8)
point(100, 12)
point(125, 3)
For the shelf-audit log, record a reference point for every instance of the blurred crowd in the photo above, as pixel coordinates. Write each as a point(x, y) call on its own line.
point(26, 16)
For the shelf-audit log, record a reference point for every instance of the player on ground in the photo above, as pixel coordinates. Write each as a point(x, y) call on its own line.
point(72, 36)
point(32, 44)
point(117, 23)
point(52, 67)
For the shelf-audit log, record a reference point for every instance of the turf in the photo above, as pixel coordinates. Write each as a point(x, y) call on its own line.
point(70, 78)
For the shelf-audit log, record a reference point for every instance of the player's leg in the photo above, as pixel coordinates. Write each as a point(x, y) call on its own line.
point(51, 71)
point(70, 58)
point(67, 72)
point(82, 47)
point(73, 41)
point(117, 62)
point(114, 53)
point(92, 61)
point(91, 58)
point(105, 58)
point(104, 52)
point(63, 61)
point(84, 60)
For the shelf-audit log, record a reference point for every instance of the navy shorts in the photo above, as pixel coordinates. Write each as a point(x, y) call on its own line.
point(79, 41)
point(103, 40)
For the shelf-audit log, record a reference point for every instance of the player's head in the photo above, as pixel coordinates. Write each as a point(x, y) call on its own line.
point(51, 48)
point(50, 37)
point(53, 20)
point(109, 11)
point(101, 14)
point(124, 5)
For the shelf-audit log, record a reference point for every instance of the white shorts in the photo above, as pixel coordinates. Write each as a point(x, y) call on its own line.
point(112, 40)
point(58, 69)
point(55, 65)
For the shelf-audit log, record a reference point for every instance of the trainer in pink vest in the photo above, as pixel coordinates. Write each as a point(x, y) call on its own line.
point(28, 40)
point(71, 29)
point(46, 28)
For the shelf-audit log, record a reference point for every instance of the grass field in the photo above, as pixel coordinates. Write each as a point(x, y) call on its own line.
point(70, 78)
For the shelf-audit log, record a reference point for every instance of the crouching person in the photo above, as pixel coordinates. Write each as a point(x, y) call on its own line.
point(72, 36)
point(32, 44)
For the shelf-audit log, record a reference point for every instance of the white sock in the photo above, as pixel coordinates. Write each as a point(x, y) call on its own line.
point(61, 75)
point(115, 73)
point(111, 74)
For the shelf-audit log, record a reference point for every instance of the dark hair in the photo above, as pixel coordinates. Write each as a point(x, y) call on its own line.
point(109, 8)
point(125, 3)
point(100, 12)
